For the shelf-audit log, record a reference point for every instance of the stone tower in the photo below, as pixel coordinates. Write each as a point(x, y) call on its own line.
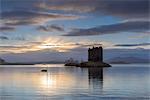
point(95, 54)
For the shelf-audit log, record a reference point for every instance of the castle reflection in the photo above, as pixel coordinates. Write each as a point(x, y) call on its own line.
point(95, 77)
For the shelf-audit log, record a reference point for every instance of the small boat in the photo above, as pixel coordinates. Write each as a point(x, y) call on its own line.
point(44, 70)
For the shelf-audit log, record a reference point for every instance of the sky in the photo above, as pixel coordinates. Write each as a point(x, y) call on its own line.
point(53, 29)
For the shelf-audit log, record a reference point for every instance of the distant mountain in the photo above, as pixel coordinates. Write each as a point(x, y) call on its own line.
point(128, 60)
point(2, 61)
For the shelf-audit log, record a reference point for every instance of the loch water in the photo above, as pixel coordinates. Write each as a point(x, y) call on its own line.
point(119, 82)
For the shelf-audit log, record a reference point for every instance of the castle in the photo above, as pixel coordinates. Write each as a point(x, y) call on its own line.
point(95, 54)
point(95, 59)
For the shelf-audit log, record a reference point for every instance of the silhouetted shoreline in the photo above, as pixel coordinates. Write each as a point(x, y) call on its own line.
point(61, 63)
point(17, 64)
point(31, 63)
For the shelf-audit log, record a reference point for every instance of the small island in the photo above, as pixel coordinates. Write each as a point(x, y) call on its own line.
point(95, 59)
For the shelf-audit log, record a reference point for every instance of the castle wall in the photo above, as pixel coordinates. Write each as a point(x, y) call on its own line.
point(95, 54)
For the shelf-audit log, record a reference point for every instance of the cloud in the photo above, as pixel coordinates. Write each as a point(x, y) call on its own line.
point(35, 12)
point(51, 44)
point(20, 22)
point(141, 35)
point(18, 48)
point(68, 5)
point(130, 26)
point(74, 45)
point(4, 38)
point(120, 8)
point(51, 28)
point(18, 38)
point(13, 47)
point(133, 45)
point(7, 28)
point(22, 17)
point(126, 8)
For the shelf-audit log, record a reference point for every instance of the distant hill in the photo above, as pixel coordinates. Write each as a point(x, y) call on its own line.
point(128, 60)
point(2, 61)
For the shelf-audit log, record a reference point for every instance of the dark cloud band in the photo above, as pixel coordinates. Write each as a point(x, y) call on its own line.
point(4, 38)
point(131, 26)
point(133, 45)
point(7, 28)
point(51, 28)
point(23, 17)
point(120, 8)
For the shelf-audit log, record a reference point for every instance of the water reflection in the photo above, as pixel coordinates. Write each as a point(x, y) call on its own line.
point(95, 76)
point(73, 83)
point(96, 73)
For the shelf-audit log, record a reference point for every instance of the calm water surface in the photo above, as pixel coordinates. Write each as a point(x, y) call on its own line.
point(120, 82)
